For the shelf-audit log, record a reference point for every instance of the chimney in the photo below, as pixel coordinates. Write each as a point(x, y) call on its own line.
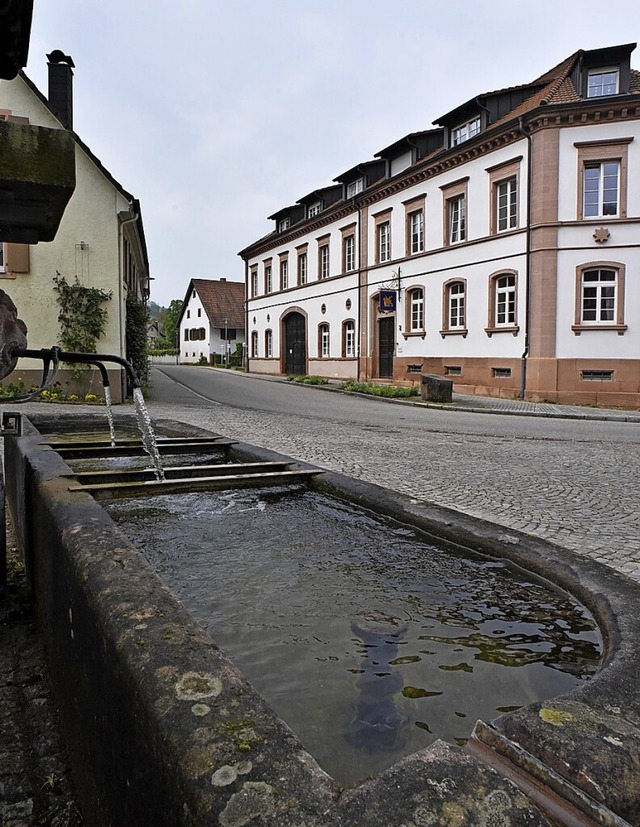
point(61, 68)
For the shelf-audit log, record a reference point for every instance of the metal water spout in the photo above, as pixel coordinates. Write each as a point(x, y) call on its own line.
point(54, 356)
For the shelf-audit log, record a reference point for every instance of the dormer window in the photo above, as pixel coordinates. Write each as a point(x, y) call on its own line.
point(601, 82)
point(314, 209)
point(355, 187)
point(284, 224)
point(465, 131)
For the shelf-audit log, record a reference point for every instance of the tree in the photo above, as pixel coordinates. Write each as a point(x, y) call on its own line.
point(170, 323)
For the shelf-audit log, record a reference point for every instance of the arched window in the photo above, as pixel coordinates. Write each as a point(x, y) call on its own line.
point(503, 303)
point(254, 343)
point(600, 297)
point(415, 310)
point(268, 343)
point(349, 339)
point(454, 307)
point(323, 341)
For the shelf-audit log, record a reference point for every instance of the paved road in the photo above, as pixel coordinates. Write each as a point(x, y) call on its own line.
point(572, 482)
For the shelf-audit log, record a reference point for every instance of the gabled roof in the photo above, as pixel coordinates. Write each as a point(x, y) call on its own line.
point(223, 301)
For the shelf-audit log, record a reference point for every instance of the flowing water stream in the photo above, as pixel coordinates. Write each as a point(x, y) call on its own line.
point(369, 641)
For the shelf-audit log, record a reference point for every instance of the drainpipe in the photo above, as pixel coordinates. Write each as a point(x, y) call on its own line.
point(123, 335)
point(527, 310)
point(245, 352)
point(359, 322)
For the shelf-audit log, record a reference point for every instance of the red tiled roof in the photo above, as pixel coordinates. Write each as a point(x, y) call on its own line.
point(222, 300)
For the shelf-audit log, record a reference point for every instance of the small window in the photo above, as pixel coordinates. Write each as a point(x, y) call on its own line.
point(503, 304)
point(465, 131)
point(507, 204)
point(314, 209)
point(415, 308)
point(457, 213)
point(188, 314)
point(355, 187)
point(505, 290)
point(452, 370)
point(349, 253)
point(414, 368)
point(323, 341)
point(601, 82)
point(284, 224)
point(302, 268)
point(501, 373)
point(416, 232)
point(598, 296)
point(349, 339)
point(284, 274)
point(199, 312)
point(384, 242)
point(596, 375)
point(323, 261)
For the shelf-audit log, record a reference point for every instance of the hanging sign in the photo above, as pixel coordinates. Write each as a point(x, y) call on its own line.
point(387, 301)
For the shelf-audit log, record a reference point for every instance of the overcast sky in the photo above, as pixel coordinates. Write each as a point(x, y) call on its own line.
point(216, 114)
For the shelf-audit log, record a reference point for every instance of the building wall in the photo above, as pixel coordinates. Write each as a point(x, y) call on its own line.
point(87, 245)
point(194, 318)
point(562, 358)
point(213, 344)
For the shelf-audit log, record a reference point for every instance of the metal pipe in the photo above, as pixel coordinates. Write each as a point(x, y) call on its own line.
point(82, 358)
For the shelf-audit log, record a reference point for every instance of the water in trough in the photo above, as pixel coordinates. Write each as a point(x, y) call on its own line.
point(369, 641)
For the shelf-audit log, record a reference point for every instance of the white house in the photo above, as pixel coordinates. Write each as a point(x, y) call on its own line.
point(498, 248)
point(211, 322)
point(100, 239)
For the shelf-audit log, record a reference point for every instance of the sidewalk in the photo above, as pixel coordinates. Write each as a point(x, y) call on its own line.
point(479, 404)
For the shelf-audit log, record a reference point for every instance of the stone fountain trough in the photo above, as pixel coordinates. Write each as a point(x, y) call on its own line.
point(163, 729)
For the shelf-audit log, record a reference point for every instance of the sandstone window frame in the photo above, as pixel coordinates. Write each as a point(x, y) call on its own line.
point(453, 298)
point(324, 262)
point(415, 212)
point(500, 175)
point(415, 311)
point(324, 340)
point(498, 296)
point(617, 323)
point(284, 270)
point(455, 197)
point(267, 265)
point(349, 339)
point(302, 264)
point(348, 248)
point(599, 152)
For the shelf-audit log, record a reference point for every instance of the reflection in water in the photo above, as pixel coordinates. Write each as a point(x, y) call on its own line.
point(277, 579)
point(377, 723)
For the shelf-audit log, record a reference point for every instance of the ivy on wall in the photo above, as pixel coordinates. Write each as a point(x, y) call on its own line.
point(82, 317)
point(136, 335)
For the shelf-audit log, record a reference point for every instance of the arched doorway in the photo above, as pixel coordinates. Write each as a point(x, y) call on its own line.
point(295, 344)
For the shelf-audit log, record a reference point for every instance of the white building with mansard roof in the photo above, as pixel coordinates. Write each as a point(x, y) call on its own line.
point(498, 248)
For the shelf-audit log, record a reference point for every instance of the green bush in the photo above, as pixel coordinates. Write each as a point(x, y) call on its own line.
point(167, 351)
point(389, 391)
point(308, 380)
